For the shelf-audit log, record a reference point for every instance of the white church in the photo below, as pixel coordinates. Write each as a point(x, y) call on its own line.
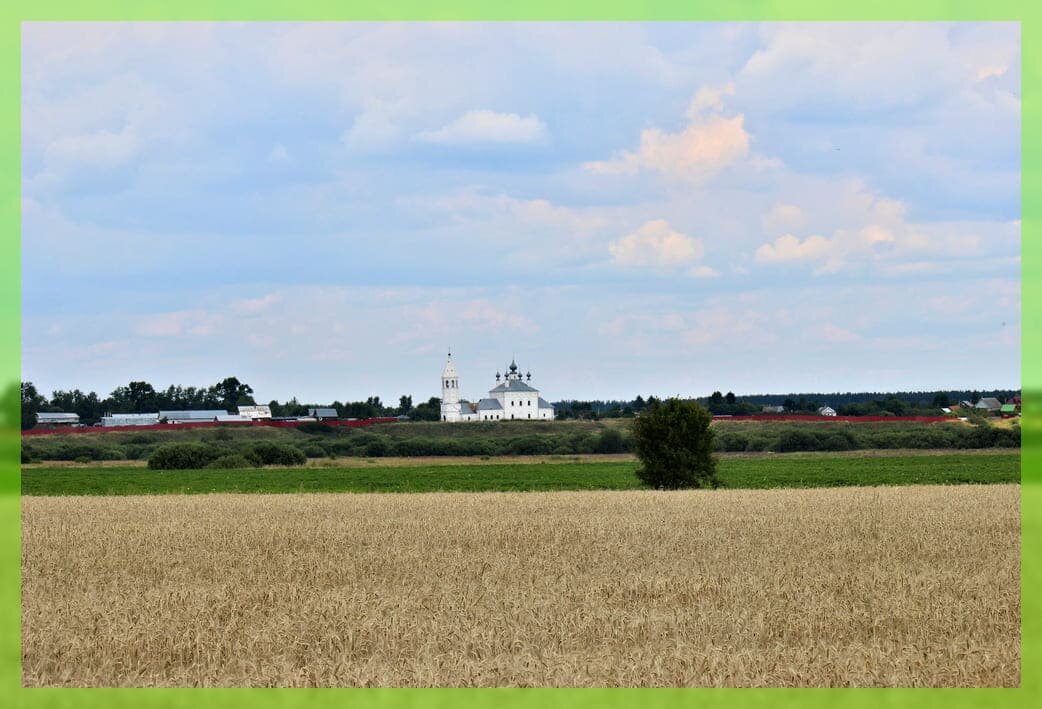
point(511, 398)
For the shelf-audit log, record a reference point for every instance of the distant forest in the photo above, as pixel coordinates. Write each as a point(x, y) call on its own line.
point(229, 393)
point(900, 403)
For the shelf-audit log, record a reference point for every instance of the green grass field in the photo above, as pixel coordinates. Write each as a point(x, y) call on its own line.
point(763, 472)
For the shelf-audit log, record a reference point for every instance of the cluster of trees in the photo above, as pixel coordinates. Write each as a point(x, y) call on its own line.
point(372, 407)
point(598, 409)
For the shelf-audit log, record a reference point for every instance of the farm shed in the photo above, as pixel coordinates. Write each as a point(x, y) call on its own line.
point(130, 420)
point(321, 413)
point(196, 416)
point(57, 419)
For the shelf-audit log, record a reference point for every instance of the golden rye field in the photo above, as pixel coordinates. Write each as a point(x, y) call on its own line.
point(907, 586)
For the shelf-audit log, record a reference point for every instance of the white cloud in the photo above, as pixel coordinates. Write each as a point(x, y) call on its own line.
point(102, 149)
point(838, 335)
point(874, 233)
point(487, 127)
point(783, 217)
point(655, 244)
point(986, 72)
point(278, 154)
point(704, 272)
point(252, 306)
point(789, 248)
point(698, 152)
point(709, 98)
point(179, 324)
point(377, 126)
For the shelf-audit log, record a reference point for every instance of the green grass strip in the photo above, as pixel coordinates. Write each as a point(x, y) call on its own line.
point(758, 473)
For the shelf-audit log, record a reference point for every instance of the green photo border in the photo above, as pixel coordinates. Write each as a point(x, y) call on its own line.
point(14, 12)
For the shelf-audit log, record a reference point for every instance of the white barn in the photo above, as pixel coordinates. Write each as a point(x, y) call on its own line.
point(513, 397)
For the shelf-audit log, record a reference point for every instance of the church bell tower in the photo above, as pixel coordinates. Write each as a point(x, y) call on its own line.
point(450, 403)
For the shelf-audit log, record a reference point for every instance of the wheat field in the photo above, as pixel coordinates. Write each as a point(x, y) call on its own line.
point(909, 586)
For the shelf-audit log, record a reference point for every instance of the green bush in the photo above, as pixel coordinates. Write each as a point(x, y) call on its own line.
point(796, 440)
point(528, 445)
point(732, 442)
point(314, 451)
point(341, 447)
point(315, 427)
point(182, 456)
point(674, 443)
point(279, 454)
point(378, 448)
point(135, 451)
point(610, 441)
point(582, 443)
point(231, 462)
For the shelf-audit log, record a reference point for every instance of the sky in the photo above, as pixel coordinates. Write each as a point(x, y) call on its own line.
point(324, 209)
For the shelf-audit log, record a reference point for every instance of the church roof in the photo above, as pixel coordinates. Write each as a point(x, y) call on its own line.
point(489, 404)
point(543, 404)
point(512, 385)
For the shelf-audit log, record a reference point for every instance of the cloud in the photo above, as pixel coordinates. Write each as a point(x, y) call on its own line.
point(790, 248)
point(102, 149)
point(527, 232)
point(252, 306)
point(487, 127)
point(278, 154)
point(874, 233)
point(655, 244)
point(872, 65)
point(377, 126)
point(179, 324)
point(700, 151)
point(704, 272)
point(709, 98)
point(783, 217)
point(838, 335)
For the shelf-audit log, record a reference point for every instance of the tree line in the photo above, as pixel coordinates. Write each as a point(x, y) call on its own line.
point(230, 392)
point(902, 403)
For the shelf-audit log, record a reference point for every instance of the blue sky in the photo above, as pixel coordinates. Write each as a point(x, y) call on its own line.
point(323, 209)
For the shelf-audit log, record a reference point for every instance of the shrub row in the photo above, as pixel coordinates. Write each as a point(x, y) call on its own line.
point(189, 456)
point(319, 444)
point(820, 437)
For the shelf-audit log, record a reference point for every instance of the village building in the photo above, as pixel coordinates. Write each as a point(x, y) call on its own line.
point(255, 412)
point(512, 398)
point(323, 413)
point(826, 411)
point(57, 419)
point(989, 403)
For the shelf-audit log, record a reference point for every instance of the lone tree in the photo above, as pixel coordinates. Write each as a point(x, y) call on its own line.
point(674, 443)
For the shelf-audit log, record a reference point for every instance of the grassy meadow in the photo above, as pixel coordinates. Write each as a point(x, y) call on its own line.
point(772, 471)
point(849, 587)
